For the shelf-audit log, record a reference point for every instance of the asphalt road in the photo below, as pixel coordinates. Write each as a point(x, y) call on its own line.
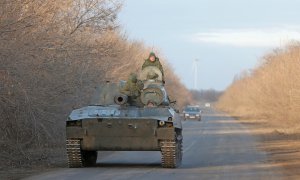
point(218, 147)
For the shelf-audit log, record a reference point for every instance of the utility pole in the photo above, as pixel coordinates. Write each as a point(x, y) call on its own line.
point(196, 74)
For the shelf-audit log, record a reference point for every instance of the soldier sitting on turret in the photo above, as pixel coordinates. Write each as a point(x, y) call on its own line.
point(153, 60)
point(133, 89)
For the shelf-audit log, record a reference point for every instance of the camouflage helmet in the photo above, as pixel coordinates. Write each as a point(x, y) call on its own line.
point(152, 54)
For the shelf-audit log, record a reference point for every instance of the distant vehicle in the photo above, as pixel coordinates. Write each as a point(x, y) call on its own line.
point(192, 112)
point(207, 105)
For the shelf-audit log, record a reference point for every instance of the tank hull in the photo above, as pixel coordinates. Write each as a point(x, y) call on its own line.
point(106, 134)
point(117, 129)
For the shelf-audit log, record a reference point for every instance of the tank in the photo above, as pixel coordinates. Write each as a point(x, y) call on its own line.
point(112, 123)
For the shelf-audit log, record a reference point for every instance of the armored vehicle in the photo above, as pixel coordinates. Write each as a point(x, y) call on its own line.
point(113, 123)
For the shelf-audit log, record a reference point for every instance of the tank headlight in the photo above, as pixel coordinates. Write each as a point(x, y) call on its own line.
point(170, 119)
point(74, 123)
point(162, 123)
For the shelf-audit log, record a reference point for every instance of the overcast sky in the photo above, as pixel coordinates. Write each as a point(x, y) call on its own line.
point(227, 36)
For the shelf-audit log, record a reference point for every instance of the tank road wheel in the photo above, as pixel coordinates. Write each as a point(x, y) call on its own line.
point(89, 158)
point(171, 153)
point(74, 153)
point(180, 153)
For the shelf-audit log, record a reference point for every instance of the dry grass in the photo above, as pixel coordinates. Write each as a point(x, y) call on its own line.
point(270, 92)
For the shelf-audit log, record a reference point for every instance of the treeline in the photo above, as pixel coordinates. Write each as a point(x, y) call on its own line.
point(52, 55)
point(210, 95)
point(270, 92)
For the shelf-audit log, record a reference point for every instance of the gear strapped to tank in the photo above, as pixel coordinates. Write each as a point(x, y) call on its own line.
point(114, 122)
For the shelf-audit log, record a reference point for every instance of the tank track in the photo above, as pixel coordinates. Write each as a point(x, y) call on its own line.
point(74, 153)
point(171, 151)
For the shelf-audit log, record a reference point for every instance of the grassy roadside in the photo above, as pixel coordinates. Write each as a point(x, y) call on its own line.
point(283, 149)
point(56, 160)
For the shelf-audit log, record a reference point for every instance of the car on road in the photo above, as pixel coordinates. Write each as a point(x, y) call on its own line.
point(192, 112)
point(208, 105)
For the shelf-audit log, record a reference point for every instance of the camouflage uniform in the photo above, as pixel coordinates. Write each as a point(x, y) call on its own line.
point(156, 63)
point(133, 89)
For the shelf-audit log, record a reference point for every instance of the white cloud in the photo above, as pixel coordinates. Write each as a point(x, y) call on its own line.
point(265, 37)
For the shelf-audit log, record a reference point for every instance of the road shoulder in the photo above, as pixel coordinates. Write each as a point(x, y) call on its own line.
point(283, 149)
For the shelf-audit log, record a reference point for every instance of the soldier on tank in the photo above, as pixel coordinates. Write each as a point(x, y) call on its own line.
point(132, 89)
point(153, 60)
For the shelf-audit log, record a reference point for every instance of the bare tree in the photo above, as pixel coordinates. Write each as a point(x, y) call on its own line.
point(270, 92)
